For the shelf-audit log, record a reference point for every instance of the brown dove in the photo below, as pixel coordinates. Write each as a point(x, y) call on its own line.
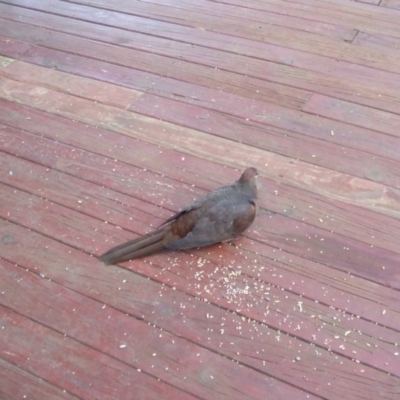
point(221, 215)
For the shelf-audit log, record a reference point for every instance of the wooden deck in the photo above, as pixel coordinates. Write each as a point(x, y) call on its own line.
point(115, 114)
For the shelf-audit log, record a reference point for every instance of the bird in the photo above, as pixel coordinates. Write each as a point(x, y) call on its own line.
point(219, 216)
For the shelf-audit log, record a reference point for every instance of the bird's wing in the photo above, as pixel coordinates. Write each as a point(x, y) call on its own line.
point(209, 199)
point(212, 223)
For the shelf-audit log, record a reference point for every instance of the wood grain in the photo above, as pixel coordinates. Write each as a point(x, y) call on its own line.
point(367, 194)
point(17, 383)
point(136, 215)
point(155, 64)
point(80, 364)
point(84, 265)
point(328, 152)
point(240, 45)
point(354, 114)
point(227, 61)
point(379, 42)
point(113, 116)
point(327, 13)
point(324, 218)
point(120, 336)
point(273, 116)
point(395, 4)
point(342, 12)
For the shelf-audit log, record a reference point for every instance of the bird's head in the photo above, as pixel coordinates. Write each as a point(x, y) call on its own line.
point(249, 180)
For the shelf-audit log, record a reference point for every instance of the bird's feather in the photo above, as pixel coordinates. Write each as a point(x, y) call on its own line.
point(219, 216)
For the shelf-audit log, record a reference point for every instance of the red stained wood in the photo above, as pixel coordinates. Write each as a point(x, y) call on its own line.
point(164, 12)
point(183, 92)
point(290, 201)
point(354, 114)
point(379, 42)
point(17, 383)
point(343, 12)
point(286, 142)
point(90, 89)
point(282, 141)
point(80, 66)
point(326, 216)
point(196, 144)
point(163, 355)
point(318, 127)
point(13, 48)
point(390, 4)
point(154, 63)
point(353, 15)
point(231, 61)
point(73, 367)
point(58, 222)
point(289, 317)
point(188, 314)
point(292, 120)
point(113, 116)
point(257, 49)
point(66, 189)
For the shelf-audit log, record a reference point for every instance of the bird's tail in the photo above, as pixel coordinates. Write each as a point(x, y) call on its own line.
point(140, 247)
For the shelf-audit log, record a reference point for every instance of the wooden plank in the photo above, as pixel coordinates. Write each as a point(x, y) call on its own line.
point(185, 282)
point(375, 41)
point(166, 47)
point(91, 89)
point(73, 367)
point(366, 194)
point(221, 99)
point(377, 61)
point(282, 233)
point(71, 136)
point(337, 217)
point(274, 53)
point(344, 12)
point(157, 64)
point(394, 4)
point(273, 116)
point(319, 82)
point(125, 11)
point(147, 348)
point(258, 49)
point(236, 63)
point(143, 301)
point(78, 65)
point(17, 383)
point(288, 143)
point(122, 14)
point(12, 48)
point(284, 118)
point(196, 12)
point(281, 141)
point(362, 297)
point(353, 15)
point(363, 345)
point(354, 114)
point(375, 2)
